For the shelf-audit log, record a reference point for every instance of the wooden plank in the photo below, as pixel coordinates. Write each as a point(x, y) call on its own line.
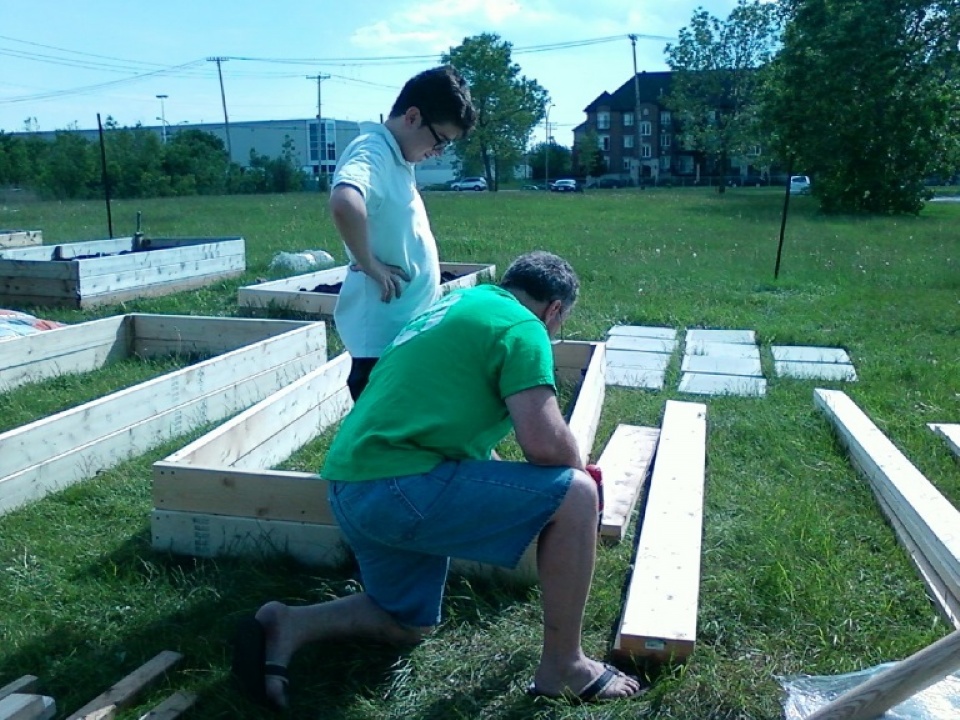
point(294, 294)
point(815, 371)
point(570, 358)
point(947, 603)
point(261, 494)
point(643, 331)
point(173, 707)
point(161, 257)
point(933, 523)
point(588, 404)
point(950, 433)
point(71, 349)
point(721, 349)
point(164, 275)
point(47, 287)
point(226, 445)
point(40, 268)
point(636, 377)
point(708, 384)
point(106, 246)
point(210, 536)
point(804, 353)
point(20, 238)
point(637, 360)
point(625, 462)
point(26, 684)
point(641, 344)
point(742, 367)
point(313, 544)
point(159, 335)
point(20, 706)
point(660, 612)
point(740, 337)
point(155, 290)
point(123, 693)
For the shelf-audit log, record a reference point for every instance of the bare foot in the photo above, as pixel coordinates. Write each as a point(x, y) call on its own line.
point(272, 617)
point(587, 680)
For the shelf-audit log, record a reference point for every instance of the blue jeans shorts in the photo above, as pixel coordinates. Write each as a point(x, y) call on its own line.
point(404, 530)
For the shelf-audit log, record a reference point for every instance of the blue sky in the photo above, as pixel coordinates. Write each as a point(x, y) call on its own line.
point(63, 66)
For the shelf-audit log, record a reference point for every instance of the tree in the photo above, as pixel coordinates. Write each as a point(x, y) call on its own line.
point(717, 72)
point(866, 99)
point(559, 158)
point(588, 157)
point(197, 160)
point(508, 105)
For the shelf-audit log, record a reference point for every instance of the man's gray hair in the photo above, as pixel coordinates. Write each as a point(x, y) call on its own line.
point(543, 276)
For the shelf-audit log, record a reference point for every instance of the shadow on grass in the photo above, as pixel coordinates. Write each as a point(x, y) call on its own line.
point(191, 605)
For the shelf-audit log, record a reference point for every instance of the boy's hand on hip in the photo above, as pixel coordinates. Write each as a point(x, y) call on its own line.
point(388, 277)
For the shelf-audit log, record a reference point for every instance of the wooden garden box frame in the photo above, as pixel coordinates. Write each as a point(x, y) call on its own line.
point(219, 496)
point(20, 238)
point(72, 274)
point(252, 359)
point(291, 293)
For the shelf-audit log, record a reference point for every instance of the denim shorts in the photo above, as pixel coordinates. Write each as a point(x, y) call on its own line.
point(404, 530)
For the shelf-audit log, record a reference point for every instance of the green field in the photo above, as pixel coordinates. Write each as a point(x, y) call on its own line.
point(800, 572)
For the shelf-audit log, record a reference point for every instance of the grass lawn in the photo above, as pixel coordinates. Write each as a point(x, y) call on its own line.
point(800, 572)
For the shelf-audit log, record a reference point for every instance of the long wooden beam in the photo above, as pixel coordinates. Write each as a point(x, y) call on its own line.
point(925, 518)
point(660, 612)
point(625, 463)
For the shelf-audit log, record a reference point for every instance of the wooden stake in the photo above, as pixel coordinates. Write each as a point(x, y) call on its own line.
point(106, 705)
point(891, 687)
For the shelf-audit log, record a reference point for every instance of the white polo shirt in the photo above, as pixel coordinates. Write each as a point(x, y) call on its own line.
point(399, 234)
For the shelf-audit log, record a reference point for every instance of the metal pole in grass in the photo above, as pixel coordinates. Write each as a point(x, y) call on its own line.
point(105, 176)
point(783, 219)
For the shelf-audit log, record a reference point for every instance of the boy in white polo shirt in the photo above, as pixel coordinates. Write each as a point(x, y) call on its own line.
point(394, 265)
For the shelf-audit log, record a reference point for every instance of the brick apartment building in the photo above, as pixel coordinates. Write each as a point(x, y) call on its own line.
point(647, 145)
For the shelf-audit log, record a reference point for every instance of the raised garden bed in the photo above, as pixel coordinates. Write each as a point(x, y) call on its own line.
point(315, 294)
point(103, 272)
point(252, 359)
point(220, 496)
point(20, 238)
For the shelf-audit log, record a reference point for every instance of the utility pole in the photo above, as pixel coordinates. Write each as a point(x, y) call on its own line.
point(223, 98)
point(636, 106)
point(546, 150)
point(163, 118)
point(321, 131)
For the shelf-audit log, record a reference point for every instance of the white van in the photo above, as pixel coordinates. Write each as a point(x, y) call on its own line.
point(799, 185)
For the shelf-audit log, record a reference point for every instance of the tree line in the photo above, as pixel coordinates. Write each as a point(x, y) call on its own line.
point(138, 165)
point(864, 95)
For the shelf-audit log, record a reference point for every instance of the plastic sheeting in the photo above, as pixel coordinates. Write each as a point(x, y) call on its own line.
point(808, 693)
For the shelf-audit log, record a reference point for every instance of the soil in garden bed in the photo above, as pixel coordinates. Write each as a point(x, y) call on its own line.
point(334, 288)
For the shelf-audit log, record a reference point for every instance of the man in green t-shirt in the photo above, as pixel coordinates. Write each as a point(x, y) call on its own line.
point(414, 481)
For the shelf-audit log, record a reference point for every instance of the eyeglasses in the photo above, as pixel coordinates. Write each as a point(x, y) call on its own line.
point(440, 142)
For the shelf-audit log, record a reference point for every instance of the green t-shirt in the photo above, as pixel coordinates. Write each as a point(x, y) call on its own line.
point(438, 391)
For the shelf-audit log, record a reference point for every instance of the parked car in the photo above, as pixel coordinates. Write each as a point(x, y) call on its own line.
point(609, 182)
point(470, 183)
point(799, 185)
point(565, 185)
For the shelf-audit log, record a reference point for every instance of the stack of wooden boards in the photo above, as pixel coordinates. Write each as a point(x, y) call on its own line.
point(927, 525)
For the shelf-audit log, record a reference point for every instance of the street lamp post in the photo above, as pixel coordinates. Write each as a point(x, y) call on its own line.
point(163, 118)
point(546, 150)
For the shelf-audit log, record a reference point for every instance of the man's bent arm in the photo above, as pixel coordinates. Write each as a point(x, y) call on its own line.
point(541, 431)
point(349, 213)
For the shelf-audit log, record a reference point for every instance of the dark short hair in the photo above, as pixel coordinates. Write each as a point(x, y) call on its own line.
point(543, 276)
point(442, 96)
